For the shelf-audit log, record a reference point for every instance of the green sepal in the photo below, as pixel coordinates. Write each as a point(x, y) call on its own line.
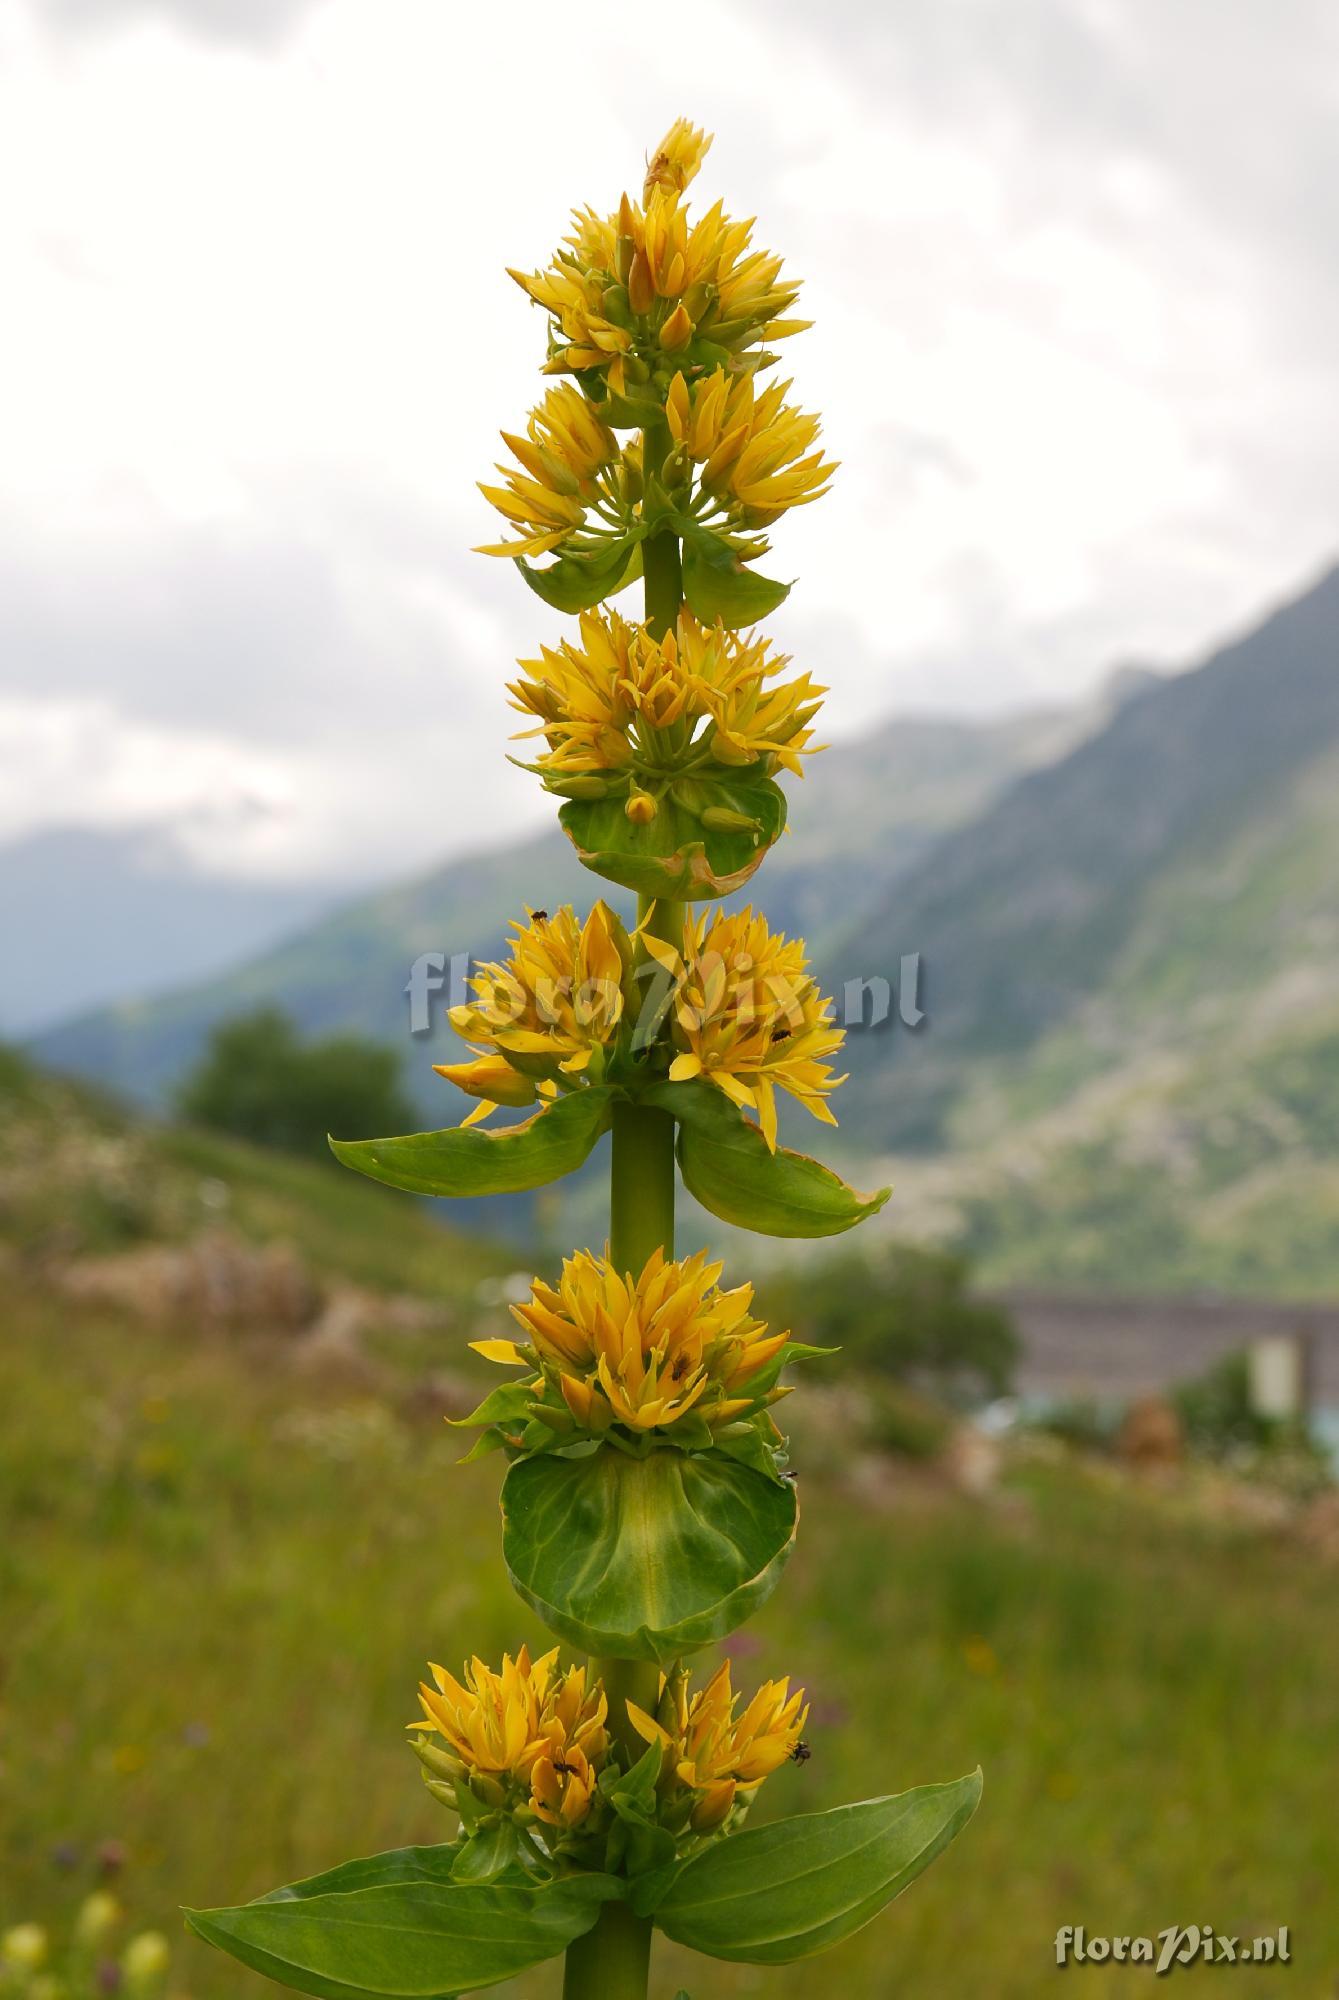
point(509, 1403)
point(776, 1893)
point(717, 585)
point(575, 582)
point(676, 854)
point(406, 1937)
point(645, 1848)
point(466, 1160)
point(644, 1558)
point(727, 1166)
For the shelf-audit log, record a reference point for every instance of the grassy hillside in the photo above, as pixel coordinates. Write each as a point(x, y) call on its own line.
point(220, 1578)
point(80, 1179)
point(228, 1551)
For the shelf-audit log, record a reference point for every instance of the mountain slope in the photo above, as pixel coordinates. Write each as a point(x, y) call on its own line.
point(1093, 911)
point(865, 812)
point(92, 917)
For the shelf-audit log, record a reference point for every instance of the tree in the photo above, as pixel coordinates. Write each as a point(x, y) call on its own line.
point(260, 1081)
point(910, 1313)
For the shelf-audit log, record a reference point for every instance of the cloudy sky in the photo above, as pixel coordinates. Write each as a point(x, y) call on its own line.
point(1075, 267)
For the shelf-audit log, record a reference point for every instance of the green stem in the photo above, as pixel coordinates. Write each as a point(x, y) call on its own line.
point(613, 1960)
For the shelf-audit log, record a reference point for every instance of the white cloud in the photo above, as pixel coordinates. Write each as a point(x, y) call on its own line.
point(1077, 298)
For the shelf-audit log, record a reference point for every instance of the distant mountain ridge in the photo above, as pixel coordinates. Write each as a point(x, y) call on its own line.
point(1026, 913)
point(93, 915)
point(1129, 929)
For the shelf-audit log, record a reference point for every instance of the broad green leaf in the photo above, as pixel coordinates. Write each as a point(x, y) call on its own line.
point(726, 1165)
point(776, 1893)
point(406, 1939)
point(466, 1160)
point(644, 1558)
point(371, 1871)
point(718, 585)
point(677, 854)
point(572, 583)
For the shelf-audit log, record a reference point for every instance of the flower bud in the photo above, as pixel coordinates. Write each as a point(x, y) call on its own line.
point(641, 808)
point(579, 787)
point(724, 819)
point(438, 1761)
point(677, 330)
point(641, 285)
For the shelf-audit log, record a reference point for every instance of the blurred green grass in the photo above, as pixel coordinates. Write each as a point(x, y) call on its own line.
point(219, 1578)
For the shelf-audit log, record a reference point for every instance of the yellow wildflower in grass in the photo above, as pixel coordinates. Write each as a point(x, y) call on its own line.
point(748, 1017)
point(715, 1759)
point(622, 289)
point(754, 448)
point(546, 1017)
point(644, 1351)
point(529, 1736)
point(619, 703)
point(566, 461)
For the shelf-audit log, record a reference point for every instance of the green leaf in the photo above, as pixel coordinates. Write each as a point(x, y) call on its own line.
point(718, 585)
point(572, 583)
point(776, 1893)
point(675, 854)
point(726, 1165)
point(399, 1864)
point(644, 1558)
point(406, 1939)
point(466, 1160)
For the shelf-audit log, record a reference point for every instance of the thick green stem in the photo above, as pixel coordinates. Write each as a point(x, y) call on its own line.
point(613, 1960)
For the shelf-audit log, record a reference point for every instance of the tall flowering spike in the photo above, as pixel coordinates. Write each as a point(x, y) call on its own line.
point(644, 1353)
point(646, 1509)
point(640, 713)
point(748, 1017)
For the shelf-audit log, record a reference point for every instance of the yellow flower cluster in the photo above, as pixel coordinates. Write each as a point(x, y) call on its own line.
point(528, 1737)
point(642, 1351)
point(618, 703)
point(715, 1760)
point(754, 450)
point(564, 472)
point(626, 289)
point(541, 1021)
point(748, 1017)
